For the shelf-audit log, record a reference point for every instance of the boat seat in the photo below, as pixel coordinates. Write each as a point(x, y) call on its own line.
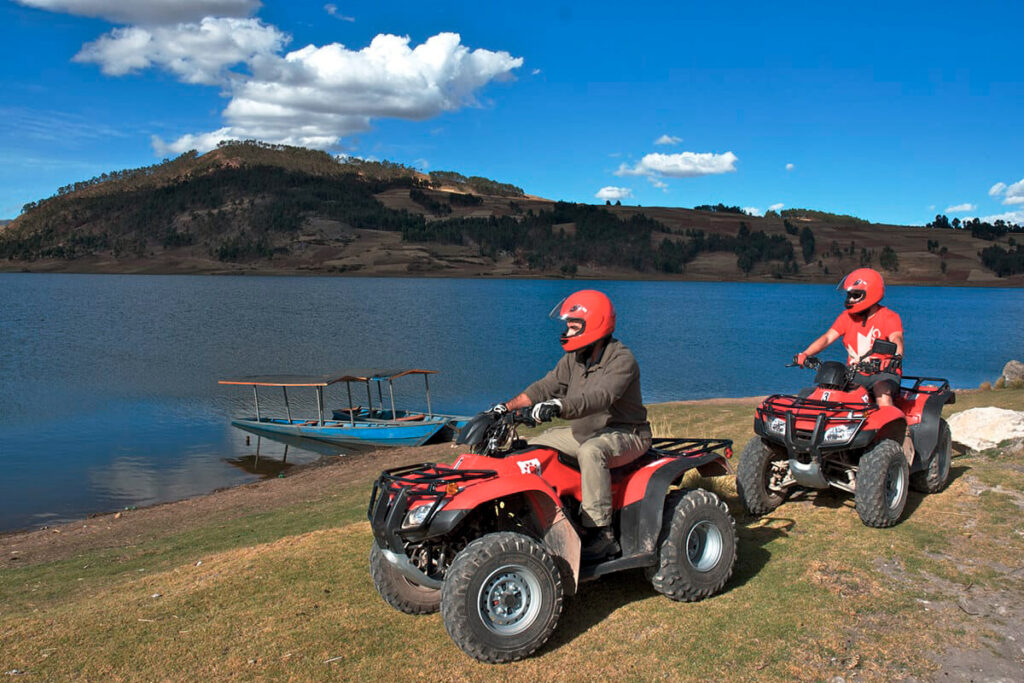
point(352, 410)
point(411, 418)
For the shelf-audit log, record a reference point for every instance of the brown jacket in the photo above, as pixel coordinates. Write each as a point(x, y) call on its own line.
point(606, 394)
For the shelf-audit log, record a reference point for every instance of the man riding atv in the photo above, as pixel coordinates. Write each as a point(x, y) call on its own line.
point(864, 321)
point(596, 386)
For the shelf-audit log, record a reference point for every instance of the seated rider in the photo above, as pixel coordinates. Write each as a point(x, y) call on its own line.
point(596, 386)
point(864, 321)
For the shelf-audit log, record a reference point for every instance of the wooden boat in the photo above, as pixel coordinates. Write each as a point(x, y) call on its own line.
point(352, 426)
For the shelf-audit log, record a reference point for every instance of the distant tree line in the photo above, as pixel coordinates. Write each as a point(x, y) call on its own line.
point(719, 208)
point(979, 229)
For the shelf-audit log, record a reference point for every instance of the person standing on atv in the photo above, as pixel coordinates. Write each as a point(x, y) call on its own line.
point(864, 321)
point(596, 387)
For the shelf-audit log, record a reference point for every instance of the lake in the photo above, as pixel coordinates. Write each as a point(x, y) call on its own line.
point(109, 396)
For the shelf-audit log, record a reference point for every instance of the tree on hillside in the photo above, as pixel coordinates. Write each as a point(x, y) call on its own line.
point(807, 244)
point(889, 260)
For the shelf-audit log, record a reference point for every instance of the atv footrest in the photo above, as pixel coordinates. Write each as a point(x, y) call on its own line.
point(592, 571)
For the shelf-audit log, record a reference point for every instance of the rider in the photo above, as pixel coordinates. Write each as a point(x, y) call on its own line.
point(864, 321)
point(596, 386)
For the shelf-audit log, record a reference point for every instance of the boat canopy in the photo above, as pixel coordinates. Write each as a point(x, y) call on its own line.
point(360, 375)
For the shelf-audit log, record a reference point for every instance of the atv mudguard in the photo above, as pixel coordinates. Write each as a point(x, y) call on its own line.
point(925, 434)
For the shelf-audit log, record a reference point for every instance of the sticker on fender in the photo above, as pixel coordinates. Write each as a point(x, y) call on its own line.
point(531, 466)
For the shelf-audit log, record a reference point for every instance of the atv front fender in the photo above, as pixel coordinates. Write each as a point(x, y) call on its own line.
point(557, 533)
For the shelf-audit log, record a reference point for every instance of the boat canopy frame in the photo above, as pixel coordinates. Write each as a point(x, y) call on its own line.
point(321, 382)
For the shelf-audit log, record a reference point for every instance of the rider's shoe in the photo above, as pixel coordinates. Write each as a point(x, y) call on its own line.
point(600, 545)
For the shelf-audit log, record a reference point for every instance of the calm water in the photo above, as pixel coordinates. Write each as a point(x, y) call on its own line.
point(108, 393)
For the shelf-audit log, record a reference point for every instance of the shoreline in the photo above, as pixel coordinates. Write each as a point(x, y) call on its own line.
point(1011, 282)
point(360, 461)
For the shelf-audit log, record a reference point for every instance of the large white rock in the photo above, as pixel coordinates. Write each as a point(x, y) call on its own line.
point(981, 428)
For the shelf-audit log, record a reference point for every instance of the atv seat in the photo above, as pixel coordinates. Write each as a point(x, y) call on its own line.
point(616, 472)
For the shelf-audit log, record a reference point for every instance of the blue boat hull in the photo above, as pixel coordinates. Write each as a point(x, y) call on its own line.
point(448, 433)
point(345, 433)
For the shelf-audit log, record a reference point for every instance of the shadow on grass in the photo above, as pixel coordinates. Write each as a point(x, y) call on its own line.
point(915, 498)
point(597, 600)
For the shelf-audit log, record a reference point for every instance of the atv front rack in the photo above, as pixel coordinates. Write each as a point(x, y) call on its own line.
point(397, 489)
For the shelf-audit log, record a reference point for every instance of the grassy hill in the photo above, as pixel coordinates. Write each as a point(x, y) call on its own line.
point(252, 207)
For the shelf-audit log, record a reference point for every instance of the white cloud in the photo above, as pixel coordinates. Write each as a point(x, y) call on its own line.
point(1016, 217)
point(996, 189)
point(332, 9)
point(661, 185)
point(148, 12)
point(776, 207)
point(612, 193)
point(535, 72)
point(752, 211)
point(790, 167)
point(960, 208)
point(310, 97)
point(668, 140)
point(681, 165)
point(1015, 193)
point(195, 53)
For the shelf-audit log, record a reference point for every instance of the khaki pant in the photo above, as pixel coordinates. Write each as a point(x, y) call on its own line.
point(608, 449)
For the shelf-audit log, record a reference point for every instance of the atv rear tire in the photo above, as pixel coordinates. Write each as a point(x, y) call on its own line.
point(935, 478)
point(398, 591)
point(754, 474)
point(882, 481)
point(502, 597)
point(698, 546)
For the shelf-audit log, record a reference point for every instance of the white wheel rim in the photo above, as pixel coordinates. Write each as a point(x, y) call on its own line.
point(894, 485)
point(509, 600)
point(704, 546)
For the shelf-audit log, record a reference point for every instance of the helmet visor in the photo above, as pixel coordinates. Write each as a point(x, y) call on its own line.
point(574, 319)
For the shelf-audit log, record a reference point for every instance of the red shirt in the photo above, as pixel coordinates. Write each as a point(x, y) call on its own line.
point(860, 333)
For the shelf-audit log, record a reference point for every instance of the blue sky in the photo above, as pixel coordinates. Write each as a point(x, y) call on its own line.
point(889, 111)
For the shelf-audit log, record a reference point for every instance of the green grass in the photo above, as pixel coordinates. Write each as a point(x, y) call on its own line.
point(286, 594)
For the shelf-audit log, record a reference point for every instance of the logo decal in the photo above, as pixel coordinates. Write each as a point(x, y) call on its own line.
point(531, 466)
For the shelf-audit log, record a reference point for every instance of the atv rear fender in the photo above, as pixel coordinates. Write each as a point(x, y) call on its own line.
point(925, 433)
point(644, 497)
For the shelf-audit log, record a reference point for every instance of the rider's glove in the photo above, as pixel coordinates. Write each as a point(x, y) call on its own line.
point(544, 411)
point(800, 359)
point(498, 409)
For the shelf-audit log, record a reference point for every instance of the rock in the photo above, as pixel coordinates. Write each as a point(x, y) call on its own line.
point(1013, 373)
point(981, 428)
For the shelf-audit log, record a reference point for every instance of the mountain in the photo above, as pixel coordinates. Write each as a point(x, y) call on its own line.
point(257, 208)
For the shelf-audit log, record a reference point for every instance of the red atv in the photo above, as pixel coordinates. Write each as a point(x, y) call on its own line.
point(834, 435)
point(493, 540)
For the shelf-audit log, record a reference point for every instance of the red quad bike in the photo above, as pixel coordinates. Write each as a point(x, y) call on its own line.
point(834, 435)
point(493, 539)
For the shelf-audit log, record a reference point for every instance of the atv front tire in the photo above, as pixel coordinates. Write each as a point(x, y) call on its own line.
point(502, 597)
point(398, 591)
point(698, 546)
point(935, 478)
point(882, 481)
point(759, 465)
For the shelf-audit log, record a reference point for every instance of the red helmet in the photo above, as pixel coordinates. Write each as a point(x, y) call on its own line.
point(864, 288)
point(590, 308)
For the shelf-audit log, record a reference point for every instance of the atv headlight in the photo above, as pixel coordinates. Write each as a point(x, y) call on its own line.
point(415, 517)
point(840, 433)
point(777, 425)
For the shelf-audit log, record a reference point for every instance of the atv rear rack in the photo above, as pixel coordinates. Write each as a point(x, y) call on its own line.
point(688, 448)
